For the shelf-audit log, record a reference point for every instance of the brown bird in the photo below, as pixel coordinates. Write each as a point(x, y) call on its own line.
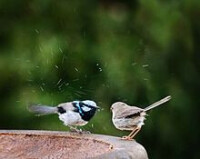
point(125, 117)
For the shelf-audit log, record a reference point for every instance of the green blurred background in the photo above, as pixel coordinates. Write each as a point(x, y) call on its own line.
point(132, 51)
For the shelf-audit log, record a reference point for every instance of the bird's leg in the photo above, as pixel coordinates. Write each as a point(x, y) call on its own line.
point(132, 134)
point(129, 136)
point(74, 129)
point(135, 132)
point(80, 131)
point(86, 132)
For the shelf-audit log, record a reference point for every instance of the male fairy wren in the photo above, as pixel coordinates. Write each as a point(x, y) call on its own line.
point(76, 113)
point(125, 117)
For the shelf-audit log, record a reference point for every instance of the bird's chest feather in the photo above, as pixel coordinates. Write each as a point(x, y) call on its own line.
point(72, 118)
point(129, 123)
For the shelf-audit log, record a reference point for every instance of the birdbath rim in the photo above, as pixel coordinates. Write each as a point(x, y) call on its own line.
point(104, 146)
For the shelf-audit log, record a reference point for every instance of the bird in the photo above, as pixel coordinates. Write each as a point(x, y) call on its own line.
point(72, 114)
point(131, 118)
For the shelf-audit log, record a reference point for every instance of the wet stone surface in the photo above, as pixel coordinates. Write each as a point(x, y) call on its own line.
point(19, 144)
point(36, 146)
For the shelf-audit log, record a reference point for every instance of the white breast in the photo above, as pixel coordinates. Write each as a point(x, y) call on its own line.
point(129, 123)
point(71, 118)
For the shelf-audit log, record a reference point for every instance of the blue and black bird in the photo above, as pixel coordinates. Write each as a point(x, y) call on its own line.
point(76, 113)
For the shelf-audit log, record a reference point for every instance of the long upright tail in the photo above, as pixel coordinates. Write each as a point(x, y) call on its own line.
point(42, 109)
point(157, 103)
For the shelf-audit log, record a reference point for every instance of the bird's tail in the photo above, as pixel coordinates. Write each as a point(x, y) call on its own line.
point(42, 109)
point(157, 103)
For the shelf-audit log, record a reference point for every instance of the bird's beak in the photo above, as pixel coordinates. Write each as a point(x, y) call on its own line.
point(98, 107)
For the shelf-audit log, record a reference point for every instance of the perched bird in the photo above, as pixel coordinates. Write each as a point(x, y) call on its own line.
point(125, 117)
point(76, 113)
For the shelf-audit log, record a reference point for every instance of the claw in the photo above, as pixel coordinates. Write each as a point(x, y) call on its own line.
point(73, 129)
point(85, 132)
point(126, 138)
point(79, 131)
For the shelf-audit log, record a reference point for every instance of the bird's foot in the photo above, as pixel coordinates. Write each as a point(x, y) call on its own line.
point(85, 132)
point(79, 131)
point(126, 138)
point(75, 130)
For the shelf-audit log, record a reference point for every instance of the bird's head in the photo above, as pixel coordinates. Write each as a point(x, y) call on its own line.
point(90, 103)
point(86, 108)
point(118, 107)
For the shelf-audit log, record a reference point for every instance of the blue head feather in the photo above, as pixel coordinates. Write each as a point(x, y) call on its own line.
point(85, 115)
point(77, 105)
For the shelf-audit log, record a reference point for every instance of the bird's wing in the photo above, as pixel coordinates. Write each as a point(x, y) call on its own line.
point(129, 112)
point(67, 106)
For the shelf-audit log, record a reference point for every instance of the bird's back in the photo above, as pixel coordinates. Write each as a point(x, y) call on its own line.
point(125, 111)
point(127, 117)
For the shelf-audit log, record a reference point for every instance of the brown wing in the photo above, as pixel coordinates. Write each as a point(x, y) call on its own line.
point(128, 112)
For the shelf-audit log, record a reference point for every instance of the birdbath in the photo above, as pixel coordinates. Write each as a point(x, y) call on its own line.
point(66, 145)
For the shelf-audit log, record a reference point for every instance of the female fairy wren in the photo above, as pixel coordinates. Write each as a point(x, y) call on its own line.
point(125, 117)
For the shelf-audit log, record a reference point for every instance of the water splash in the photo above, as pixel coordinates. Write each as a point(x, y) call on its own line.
point(76, 69)
point(145, 65)
point(42, 89)
point(37, 31)
point(59, 81)
point(56, 66)
point(60, 50)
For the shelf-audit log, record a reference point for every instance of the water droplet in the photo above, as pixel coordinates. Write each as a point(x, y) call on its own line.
point(63, 59)
point(66, 84)
point(60, 86)
point(37, 31)
point(40, 48)
point(146, 65)
point(76, 69)
point(59, 81)
point(42, 89)
point(60, 50)
point(133, 63)
point(56, 66)
point(75, 79)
